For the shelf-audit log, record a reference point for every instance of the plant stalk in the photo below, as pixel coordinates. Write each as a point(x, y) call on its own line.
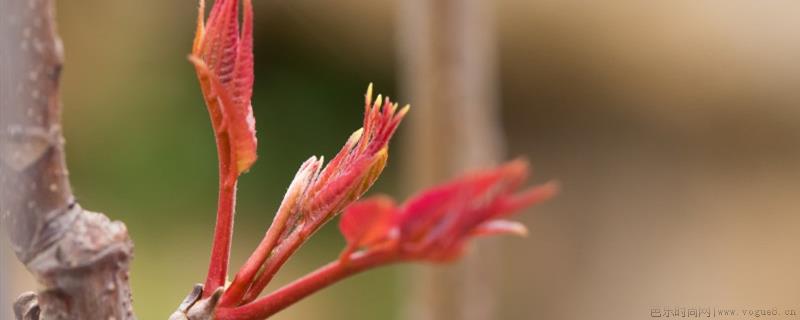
point(281, 254)
point(244, 278)
point(223, 230)
point(307, 285)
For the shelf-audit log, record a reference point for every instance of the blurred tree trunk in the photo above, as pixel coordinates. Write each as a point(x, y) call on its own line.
point(80, 257)
point(449, 75)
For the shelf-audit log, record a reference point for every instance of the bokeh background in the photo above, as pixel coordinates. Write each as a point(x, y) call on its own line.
point(673, 126)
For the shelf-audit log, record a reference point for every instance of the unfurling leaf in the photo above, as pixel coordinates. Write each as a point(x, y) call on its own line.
point(436, 224)
point(317, 194)
point(356, 167)
point(223, 60)
point(367, 222)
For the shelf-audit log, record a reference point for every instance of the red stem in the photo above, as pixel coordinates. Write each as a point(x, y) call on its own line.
point(244, 278)
point(277, 259)
point(307, 285)
point(223, 231)
point(241, 282)
point(273, 264)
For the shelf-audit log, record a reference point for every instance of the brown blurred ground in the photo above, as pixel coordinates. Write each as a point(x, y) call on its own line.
point(674, 128)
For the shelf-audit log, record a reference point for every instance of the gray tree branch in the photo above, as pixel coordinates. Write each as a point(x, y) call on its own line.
point(80, 257)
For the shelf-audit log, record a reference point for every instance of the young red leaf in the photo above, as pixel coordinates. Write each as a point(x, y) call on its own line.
point(366, 223)
point(223, 59)
point(436, 224)
point(356, 167)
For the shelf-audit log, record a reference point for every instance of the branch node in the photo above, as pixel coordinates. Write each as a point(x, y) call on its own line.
point(26, 307)
point(195, 308)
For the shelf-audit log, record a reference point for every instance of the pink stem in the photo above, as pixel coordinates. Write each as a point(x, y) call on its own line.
point(307, 285)
point(223, 231)
point(243, 279)
point(274, 263)
point(241, 282)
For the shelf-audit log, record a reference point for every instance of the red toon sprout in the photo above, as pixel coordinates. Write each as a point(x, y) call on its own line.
point(317, 194)
point(436, 225)
point(432, 226)
point(223, 60)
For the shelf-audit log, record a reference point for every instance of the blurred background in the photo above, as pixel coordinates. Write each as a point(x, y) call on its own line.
point(673, 127)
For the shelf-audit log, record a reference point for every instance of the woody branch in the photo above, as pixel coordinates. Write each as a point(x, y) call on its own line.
point(80, 257)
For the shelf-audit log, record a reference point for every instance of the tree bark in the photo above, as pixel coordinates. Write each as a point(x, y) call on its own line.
point(80, 257)
point(449, 74)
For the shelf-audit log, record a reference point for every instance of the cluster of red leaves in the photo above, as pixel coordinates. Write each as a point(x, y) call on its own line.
point(316, 195)
point(432, 226)
point(436, 224)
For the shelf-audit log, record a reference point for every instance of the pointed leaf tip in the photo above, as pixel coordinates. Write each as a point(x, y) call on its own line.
point(499, 227)
point(368, 96)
